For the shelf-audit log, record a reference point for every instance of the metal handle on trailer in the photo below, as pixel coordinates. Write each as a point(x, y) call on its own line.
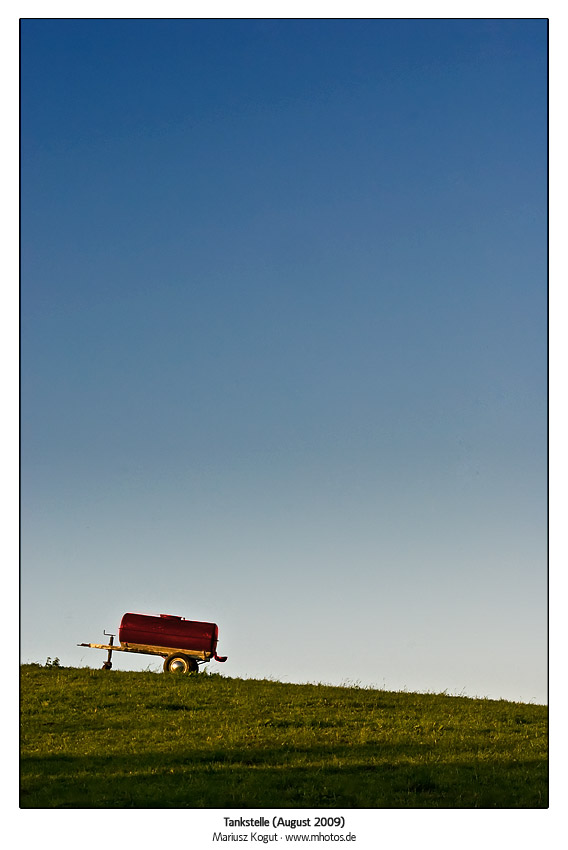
point(108, 663)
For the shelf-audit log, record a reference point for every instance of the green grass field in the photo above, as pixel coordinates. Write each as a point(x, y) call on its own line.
point(94, 738)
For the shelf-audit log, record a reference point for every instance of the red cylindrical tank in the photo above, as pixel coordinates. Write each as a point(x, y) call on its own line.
point(169, 631)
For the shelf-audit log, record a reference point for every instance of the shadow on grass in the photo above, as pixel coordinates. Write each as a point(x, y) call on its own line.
point(316, 777)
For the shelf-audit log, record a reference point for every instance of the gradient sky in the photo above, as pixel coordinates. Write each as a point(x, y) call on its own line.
point(284, 344)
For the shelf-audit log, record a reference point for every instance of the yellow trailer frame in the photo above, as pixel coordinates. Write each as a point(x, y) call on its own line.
point(169, 653)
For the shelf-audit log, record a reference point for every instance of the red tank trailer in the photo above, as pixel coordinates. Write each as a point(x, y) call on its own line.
point(184, 644)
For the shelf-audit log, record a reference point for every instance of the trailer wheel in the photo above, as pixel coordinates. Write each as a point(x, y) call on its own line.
point(177, 663)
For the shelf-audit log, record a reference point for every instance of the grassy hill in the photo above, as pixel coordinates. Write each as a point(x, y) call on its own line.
point(94, 738)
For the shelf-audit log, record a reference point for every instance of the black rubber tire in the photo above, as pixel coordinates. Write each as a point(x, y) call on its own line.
point(178, 663)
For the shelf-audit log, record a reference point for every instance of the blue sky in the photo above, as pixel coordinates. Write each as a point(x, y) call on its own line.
point(284, 341)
